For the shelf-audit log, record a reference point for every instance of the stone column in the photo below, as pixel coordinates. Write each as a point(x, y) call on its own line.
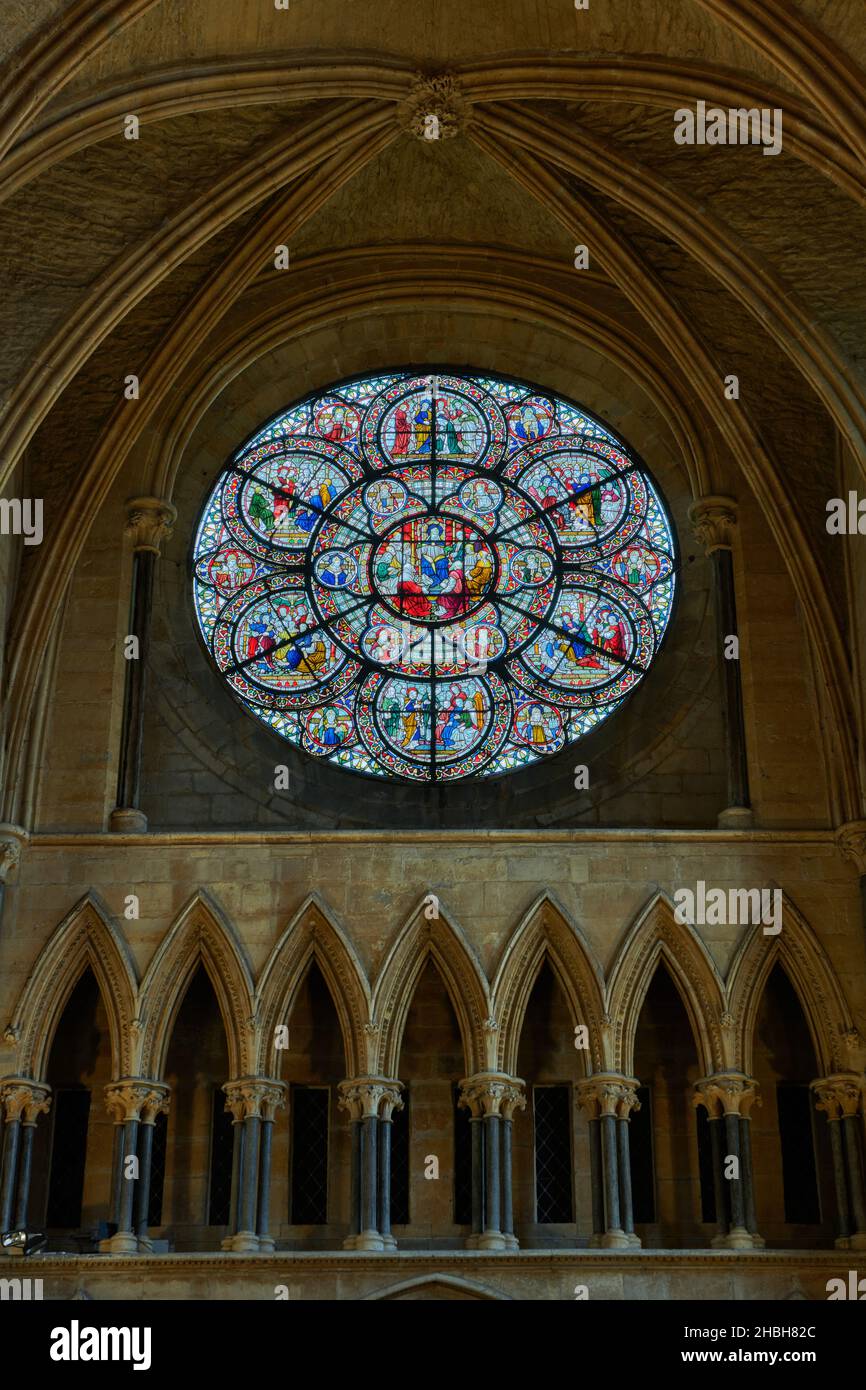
point(492, 1099)
point(252, 1101)
point(125, 1100)
point(476, 1133)
point(156, 1104)
point(841, 1097)
point(274, 1097)
point(585, 1100)
point(713, 521)
point(22, 1101)
point(608, 1098)
point(625, 1105)
point(149, 522)
point(728, 1098)
point(390, 1102)
point(367, 1100)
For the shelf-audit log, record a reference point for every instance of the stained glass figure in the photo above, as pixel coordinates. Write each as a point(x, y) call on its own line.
point(428, 576)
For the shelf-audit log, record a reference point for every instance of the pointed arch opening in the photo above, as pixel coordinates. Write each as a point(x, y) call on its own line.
point(671, 1185)
point(191, 1177)
point(792, 1162)
point(72, 1153)
point(551, 1139)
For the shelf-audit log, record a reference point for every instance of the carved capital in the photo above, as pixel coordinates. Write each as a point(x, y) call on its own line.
point(134, 1098)
point(608, 1093)
point(839, 1095)
point(713, 520)
point(727, 1093)
point(492, 1093)
point(851, 839)
point(254, 1097)
point(438, 96)
point(149, 521)
point(157, 1102)
point(12, 840)
point(22, 1099)
point(366, 1096)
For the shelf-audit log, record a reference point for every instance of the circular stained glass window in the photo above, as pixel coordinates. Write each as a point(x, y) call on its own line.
point(430, 576)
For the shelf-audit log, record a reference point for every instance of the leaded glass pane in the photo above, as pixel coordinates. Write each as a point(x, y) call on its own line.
point(553, 1182)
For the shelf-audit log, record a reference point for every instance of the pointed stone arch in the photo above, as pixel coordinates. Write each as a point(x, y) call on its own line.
point(201, 935)
point(435, 1285)
point(545, 933)
point(797, 949)
point(656, 936)
point(421, 939)
point(313, 935)
point(86, 938)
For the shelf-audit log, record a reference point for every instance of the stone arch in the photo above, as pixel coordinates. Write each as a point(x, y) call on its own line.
point(545, 933)
point(437, 1286)
point(85, 938)
point(656, 935)
point(313, 935)
point(200, 935)
point(797, 949)
point(421, 939)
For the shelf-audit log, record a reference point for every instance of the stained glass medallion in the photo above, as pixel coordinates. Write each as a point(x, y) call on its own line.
point(429, 576)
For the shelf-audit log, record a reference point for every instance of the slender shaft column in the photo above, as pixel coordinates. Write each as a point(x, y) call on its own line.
point(21, 1102)
point(125, 1101)
point(142, 1195)
point(116, 1173)
point(25, 1162)
point(369, 1162)
point(492, 1099)
point(156, 1104)
point(714, 520)
point(491, 1147)
point(355, 1187)
point(841, 1097)
point(720, 1191)
point(748, 1182)
point(596, 1177)
point(506, 1224)
point(732, 1139)
point(609, 1097)
point(624, 1164)
point(11, 1144)
point(127, 1189)
point(613, 1221)
point(239, 1131)
point(370, 1101)
point(149, 522)
point(851, 1127)
point(728, 1098)
point(476, 1133)
point(263, 1224)
point(388, 1104)
point(250, 1177)
point(253, 1101)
